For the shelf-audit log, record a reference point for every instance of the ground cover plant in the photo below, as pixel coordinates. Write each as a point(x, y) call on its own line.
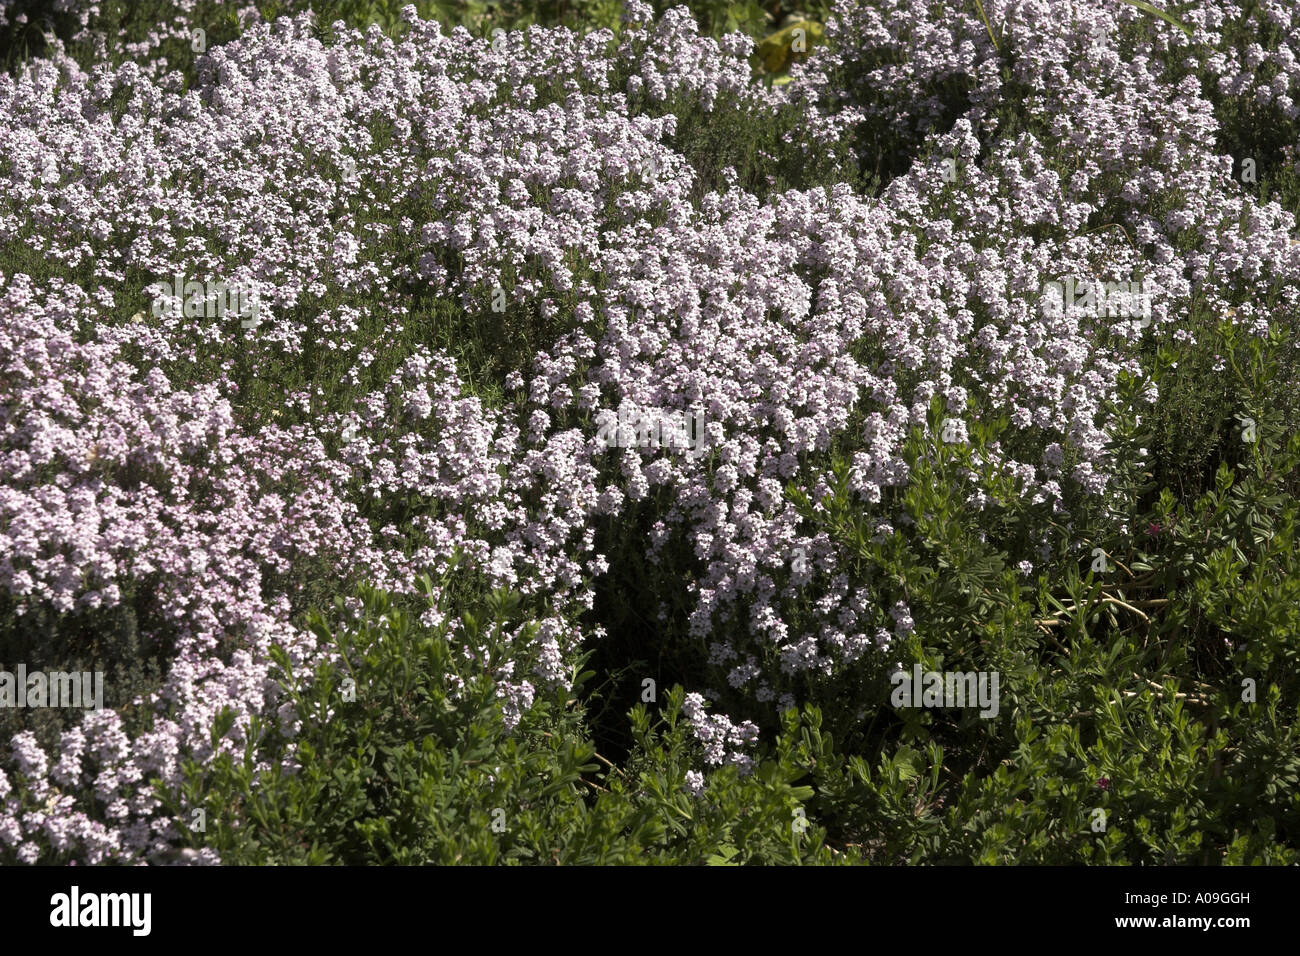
point(468, 433)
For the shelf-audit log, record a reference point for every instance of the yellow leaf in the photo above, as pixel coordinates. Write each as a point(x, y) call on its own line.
point(798, 38)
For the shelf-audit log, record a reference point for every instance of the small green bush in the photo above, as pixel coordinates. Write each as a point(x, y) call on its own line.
point(423, 767)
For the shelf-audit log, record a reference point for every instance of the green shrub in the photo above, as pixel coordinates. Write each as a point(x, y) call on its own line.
point(415, 771)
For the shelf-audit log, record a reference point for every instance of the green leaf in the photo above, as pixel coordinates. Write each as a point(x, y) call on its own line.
point(723, 857)
point(1147, 8)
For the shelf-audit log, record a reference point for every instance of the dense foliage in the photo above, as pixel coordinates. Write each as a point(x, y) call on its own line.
point(622, 403)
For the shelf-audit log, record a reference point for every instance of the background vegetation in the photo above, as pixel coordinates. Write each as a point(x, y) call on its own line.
point(1164, 696)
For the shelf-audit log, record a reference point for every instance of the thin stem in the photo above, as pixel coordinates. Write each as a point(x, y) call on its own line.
point(979, 6)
